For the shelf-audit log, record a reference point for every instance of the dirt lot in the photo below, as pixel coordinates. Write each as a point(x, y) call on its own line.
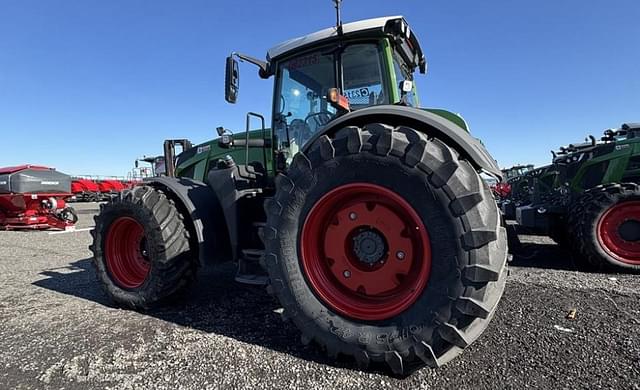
point(58, 330)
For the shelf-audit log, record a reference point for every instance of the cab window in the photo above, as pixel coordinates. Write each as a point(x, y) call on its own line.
point(302, 106)
point(402, 73)
point(362, 73)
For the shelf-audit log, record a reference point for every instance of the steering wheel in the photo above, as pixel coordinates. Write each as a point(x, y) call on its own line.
point(300, 131)
point(318, 119)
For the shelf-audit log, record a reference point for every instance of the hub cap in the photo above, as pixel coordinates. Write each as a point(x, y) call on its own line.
point(365, 251)
point(369, 246)
point(619, 232)
point(126, 252)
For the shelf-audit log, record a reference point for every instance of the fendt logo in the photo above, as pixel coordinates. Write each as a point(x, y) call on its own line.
point(49, 183)
point(202, 149)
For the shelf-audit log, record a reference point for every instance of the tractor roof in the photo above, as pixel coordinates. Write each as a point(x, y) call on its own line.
point(369, 27)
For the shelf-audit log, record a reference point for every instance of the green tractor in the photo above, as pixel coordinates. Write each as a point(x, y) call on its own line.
point(364, 215)
point(514, 188)
point(516, 171)
point(589, 200)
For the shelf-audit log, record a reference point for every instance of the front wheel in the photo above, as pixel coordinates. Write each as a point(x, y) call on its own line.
point(141, 248)
point(383, 245)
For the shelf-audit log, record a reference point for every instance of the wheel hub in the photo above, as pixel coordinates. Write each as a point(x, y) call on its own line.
point(126, 252)
point(369, 246)
point(629, 230)
point(365, 252)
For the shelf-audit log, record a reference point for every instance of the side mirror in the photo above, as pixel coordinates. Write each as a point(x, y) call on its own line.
point(137, 164)
point(232, 80)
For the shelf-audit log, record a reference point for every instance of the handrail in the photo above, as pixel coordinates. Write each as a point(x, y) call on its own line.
point(246, 146)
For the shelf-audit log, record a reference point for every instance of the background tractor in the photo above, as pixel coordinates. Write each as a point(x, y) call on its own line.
point(364, 215)
point(147, 167)
point(513, 189)
point(589, 199)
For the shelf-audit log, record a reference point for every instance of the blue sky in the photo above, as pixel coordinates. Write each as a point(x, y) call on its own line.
point(88, 85)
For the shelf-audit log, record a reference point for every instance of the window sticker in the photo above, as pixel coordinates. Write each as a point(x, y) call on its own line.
point(303, 62)
point(357, 93)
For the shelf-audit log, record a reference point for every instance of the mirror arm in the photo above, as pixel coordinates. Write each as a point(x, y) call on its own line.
point(263, 65)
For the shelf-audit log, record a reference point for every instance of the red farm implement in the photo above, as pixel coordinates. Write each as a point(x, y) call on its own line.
point(501, 190)
point(111, 187)
point(94, 188)
point(33, 197)
point(85, 190)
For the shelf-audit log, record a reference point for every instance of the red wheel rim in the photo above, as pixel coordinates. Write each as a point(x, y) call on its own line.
point(365, 252)
point(619, 232)
point(124, 249)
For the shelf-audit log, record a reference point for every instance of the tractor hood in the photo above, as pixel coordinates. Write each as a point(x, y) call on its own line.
point(196, 162)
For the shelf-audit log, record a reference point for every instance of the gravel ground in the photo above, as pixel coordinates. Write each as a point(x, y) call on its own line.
point(58, 330)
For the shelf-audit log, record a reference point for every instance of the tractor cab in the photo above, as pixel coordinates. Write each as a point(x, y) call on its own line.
point(516, 171)
point(324, 75)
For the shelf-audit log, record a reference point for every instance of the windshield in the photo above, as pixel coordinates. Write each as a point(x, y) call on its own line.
point(301, 104)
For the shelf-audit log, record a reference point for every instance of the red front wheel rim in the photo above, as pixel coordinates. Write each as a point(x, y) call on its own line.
point(619, 232)
point(365, 252)
point(125, 250)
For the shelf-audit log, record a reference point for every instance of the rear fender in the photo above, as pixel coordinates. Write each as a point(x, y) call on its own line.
point(202, 214)
point(423, 121)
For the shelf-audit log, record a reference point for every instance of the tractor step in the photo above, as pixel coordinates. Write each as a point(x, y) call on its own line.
point(256, 280)
point(252, 254)
point(249, 269)
point(259, 226)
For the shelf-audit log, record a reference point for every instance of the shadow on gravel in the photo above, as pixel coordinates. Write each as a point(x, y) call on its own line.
point(545, 256)
point(76, 279)
point(215, 304)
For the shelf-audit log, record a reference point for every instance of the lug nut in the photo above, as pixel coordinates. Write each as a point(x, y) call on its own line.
point(353, 216)
point(400, 255)
point(346, 273)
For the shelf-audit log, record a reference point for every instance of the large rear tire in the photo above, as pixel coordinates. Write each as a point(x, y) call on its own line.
point(383, 245)
point(605, 227)
point(141, 248)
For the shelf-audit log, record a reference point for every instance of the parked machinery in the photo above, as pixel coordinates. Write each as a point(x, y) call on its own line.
point(33, 197)
point(110, 187)
point(513, 189)
point(589, 199)
point(363, 214)
point(85, 190)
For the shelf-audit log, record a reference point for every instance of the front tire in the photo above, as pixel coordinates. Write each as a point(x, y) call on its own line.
point(141, 249)
point(412, 284)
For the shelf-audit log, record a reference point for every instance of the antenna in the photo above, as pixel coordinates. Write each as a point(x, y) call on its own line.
point(338, 4)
